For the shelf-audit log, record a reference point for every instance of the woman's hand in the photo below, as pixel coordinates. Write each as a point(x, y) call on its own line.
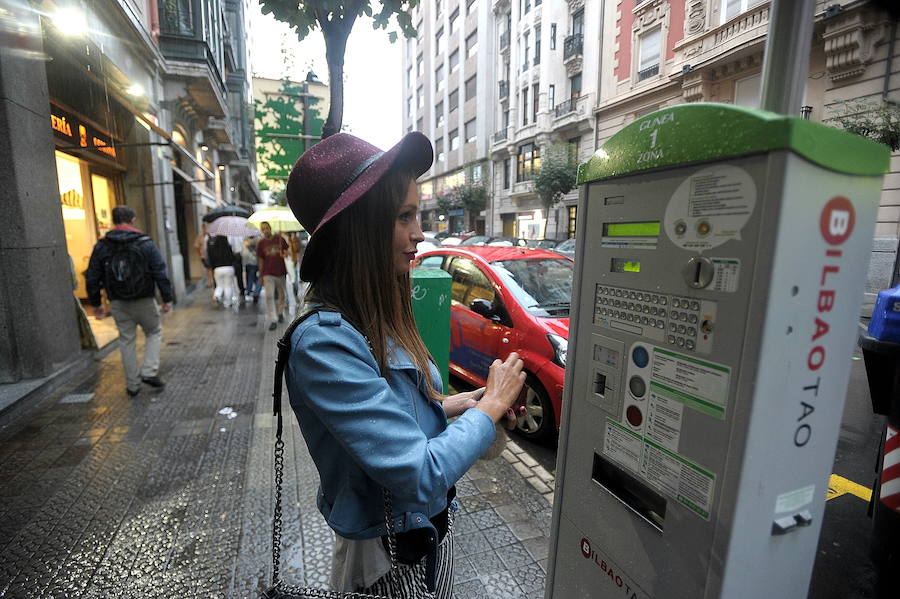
point(505, 380)
point(456, 405)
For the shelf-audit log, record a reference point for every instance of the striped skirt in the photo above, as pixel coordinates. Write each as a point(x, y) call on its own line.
point(411, 581)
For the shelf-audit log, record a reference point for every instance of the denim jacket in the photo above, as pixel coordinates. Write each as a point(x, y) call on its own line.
point(368, 430)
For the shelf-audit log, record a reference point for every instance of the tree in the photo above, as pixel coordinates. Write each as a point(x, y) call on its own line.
point(283, 124)
point(473, 197)
point(878, 121)
point(556, 177)
point(336, 18)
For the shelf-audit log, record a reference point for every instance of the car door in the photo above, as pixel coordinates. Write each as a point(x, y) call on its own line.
point(475, 341)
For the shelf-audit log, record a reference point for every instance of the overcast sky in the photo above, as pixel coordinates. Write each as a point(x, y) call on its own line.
point(372, 72)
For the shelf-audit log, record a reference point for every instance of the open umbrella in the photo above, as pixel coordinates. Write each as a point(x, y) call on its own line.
point(229, 210)
point(231, 226)
point(280, 218)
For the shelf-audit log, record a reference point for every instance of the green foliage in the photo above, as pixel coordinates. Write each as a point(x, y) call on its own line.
point(335, 18)
point(878, 121)
point(279, 124)
point(557, 175)
point(448, 201)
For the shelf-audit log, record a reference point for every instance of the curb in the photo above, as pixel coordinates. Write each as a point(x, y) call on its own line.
point(534, 474)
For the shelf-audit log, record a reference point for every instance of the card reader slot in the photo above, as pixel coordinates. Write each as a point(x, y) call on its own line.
point(636, 495)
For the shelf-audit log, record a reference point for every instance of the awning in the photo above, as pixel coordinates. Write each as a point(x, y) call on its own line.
point(206, 196)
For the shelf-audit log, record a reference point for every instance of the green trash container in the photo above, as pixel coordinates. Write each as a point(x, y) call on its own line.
point(431, 308)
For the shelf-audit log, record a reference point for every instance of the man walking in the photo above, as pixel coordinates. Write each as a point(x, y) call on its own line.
point(270, 252)
point(128, 265)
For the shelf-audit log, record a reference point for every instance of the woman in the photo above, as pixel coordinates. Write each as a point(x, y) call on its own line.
point(361, 382)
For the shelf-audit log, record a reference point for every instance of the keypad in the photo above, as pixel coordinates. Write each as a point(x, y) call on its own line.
point(675, 317)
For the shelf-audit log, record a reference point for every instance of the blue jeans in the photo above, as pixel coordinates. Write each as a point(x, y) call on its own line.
point(252, 280)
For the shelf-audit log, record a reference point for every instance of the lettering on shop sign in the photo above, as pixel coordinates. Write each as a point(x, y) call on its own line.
point(608, 569)
point(61, 124)
point(836, 225)
point(73, 130)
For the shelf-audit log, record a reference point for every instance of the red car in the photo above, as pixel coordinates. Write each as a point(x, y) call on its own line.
point(507, 299)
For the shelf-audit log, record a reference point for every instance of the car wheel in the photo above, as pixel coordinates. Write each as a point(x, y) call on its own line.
point(538, 422)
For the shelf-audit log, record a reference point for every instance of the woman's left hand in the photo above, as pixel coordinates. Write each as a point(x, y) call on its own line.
point(456, 405)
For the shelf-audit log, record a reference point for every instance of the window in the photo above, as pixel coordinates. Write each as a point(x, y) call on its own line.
point(439, 149)
point(732, 8)
point(420, 125)
point(476, 173)
point(439, 114)
point(525, 106)
point(573, 147)
point(553, 36)
point(439, 42)
point(747, 92)
point(537, 3)
point(454, 60)
point(578, 23)
point(420, 66)
point(575, 86)
point(469, 4)
point(469, 283)
point(551, 96)
point(471, 87)
point(526, 6)
point(537, 45)
point(505, 120)
point(409, 107)
point(528, 162)
point(409, 77)
point(573, 212)
point(453, 100)
point(471, 44)
point(648, 61)
point(437, 7)
point(439, 78)
point(470, 131)
point(525, 49)
point(535, 96)
point(421, 93)
point(506, 173)
point(454, 139)
point(453, 16)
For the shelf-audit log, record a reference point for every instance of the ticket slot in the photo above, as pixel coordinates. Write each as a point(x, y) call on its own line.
point(634, 494)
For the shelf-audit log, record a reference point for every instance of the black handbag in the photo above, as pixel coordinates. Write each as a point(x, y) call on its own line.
point(279, 589)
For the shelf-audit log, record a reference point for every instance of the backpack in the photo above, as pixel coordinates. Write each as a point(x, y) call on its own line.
point(219, 252)
point(126, 273)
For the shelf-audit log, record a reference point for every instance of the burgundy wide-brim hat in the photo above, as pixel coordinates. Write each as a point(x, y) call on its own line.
point(339, 170)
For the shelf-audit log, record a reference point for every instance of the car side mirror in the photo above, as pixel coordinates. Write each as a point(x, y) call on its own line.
point(484, 308)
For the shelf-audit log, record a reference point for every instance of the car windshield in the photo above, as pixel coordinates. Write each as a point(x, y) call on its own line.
point(542, 285)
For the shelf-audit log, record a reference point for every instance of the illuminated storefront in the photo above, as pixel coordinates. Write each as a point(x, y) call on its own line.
point(88, 170)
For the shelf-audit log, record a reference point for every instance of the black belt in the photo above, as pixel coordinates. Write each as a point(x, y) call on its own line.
point(414, 544)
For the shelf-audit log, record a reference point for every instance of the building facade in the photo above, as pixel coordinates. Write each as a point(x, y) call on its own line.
point(448, 76)
point(123, 102)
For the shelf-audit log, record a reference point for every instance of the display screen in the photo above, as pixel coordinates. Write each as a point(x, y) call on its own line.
point(643, 229)
point(623, 265)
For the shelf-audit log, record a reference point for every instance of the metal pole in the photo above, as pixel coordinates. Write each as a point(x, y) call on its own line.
point(786, 61)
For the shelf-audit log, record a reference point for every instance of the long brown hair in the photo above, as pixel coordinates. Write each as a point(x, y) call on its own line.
point(351, 277)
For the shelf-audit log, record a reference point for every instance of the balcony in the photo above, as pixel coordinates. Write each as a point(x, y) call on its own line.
point(573, 46)
point(652, 71)
point(501, 135)
point(571, 111)
point(504, 89)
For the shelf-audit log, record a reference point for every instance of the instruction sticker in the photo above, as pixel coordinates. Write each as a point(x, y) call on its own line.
point(696, 383)
point(673, 474)
point(664, 421)
point(710, 207)
point(725, 274)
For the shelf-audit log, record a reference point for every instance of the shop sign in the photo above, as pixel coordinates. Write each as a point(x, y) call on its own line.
point(76, 132)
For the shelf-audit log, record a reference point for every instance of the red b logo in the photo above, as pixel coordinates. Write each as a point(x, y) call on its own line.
point(837, 220)
point(586, 548)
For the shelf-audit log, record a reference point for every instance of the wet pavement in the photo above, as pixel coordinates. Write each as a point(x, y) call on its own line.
point(170, 494)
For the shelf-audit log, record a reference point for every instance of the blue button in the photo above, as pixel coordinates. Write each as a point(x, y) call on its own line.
point(640, 356)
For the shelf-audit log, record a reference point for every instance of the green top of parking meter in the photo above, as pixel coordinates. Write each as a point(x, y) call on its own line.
point(701, 132)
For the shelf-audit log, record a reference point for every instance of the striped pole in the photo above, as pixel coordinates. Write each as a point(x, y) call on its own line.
point(890, 470)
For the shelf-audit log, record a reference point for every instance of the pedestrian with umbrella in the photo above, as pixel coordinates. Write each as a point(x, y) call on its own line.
point(236, 230)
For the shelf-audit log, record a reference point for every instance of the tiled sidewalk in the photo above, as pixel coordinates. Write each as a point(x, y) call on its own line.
point(163, 496)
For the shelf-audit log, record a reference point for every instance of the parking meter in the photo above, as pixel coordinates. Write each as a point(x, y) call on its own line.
point(880, 345)
point(720, 266)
